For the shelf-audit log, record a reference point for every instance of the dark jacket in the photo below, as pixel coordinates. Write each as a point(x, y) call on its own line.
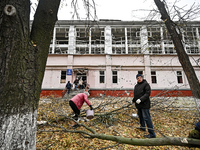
point(76, 82)
point(142, 91)
point(68, 85)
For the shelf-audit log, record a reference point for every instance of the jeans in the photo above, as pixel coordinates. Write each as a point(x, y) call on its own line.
point(145, 117)
point(68, 91)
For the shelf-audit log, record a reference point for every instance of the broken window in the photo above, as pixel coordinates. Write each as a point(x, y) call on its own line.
point(118, 40)
point(190, 39)
point(169, 50)
point(134, 40)
point(51, 45)
point(179, 77)
point(153, 77)
point(82, 40)
point(154, 40)
point(101, 76)
point(63, 77)
point(192, 49)
point(114, 76)
point(166, 36)
point(61, 41)
point(97, 41)
point(154, 34)
point(90, 38)
point(168, 43)
point(190, 36)
point(155, 49)
point(140, 72)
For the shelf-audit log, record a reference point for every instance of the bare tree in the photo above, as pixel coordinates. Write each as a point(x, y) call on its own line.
point(23, 55)
point(175, 34)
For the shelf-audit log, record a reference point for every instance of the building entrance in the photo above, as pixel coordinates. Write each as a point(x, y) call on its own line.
point(83, 75)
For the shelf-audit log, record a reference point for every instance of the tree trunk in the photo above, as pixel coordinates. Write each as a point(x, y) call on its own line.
point(182, 55)
point(178, 141)
point(22, 63)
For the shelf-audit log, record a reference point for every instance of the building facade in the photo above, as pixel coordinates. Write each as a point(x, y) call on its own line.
point(109, 53)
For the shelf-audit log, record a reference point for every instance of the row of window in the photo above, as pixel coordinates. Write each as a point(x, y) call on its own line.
point(91, 41)
point(115, 76)
point(153, 76)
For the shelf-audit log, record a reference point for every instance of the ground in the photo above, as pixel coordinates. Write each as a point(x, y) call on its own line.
point(171, 116)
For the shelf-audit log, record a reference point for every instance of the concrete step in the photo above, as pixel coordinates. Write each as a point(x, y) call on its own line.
point(73, 93)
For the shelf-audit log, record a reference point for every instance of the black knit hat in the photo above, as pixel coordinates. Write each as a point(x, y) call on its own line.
point(139, 75)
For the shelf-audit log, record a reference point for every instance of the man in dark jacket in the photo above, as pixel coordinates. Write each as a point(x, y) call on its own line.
point(141, 99)
point(68, 87)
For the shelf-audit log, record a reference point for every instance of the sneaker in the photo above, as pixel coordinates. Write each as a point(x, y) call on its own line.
point(149, 136)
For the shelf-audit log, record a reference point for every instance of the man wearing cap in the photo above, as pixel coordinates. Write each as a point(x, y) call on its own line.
point(141, 99)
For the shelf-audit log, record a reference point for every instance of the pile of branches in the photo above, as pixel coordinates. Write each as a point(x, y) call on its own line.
point(110, 111)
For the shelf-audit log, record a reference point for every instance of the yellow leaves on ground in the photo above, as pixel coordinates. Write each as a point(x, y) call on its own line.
point(172, 122)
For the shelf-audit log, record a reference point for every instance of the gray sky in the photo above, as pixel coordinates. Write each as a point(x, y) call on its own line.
point(122, 10)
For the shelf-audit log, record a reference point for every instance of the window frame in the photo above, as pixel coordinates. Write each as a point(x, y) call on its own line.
point(179, 77)
point(63, 73)
point(141, 72)
point(153, 76)
point(101, 75)
point(114, 76)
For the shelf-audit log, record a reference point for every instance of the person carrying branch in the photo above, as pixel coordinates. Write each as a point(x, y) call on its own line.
point(77, 102)
point(141, 99)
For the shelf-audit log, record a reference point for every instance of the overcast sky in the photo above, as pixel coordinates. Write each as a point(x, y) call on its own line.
point(113, 9)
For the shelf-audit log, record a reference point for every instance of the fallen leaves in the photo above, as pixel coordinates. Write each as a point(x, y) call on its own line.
point(168, 122)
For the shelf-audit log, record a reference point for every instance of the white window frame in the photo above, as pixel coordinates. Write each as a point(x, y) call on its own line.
point(114, 76)
point(62, 75)
point(100, 75)
point(181, 75)
point(153, 75)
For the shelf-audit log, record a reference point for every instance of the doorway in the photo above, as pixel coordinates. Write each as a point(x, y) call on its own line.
point(83, 75)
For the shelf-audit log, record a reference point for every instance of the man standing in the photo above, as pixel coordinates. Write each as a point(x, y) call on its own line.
point(68, 87)
point(141, 99)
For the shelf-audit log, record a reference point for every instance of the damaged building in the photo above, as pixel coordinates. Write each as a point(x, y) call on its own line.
point(109, 53)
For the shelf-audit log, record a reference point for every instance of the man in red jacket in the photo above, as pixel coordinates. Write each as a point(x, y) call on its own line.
point(77, 102)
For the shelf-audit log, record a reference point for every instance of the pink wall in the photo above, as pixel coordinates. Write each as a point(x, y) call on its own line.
point(126, 65)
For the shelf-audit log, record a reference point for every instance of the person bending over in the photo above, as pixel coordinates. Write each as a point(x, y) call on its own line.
point(77, 102)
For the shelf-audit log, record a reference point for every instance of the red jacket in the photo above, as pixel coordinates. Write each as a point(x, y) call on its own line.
point(79, 99)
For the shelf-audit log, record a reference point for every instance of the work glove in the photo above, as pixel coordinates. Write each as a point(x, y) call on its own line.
point(138, 101)
point(91, 108)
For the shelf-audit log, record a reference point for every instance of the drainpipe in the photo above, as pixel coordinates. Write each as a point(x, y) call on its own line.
point(126, 41)
point(54, 40)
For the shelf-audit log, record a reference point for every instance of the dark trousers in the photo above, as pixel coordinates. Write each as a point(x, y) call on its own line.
point(75, 109)
point(68, 91)
point(145, 117)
